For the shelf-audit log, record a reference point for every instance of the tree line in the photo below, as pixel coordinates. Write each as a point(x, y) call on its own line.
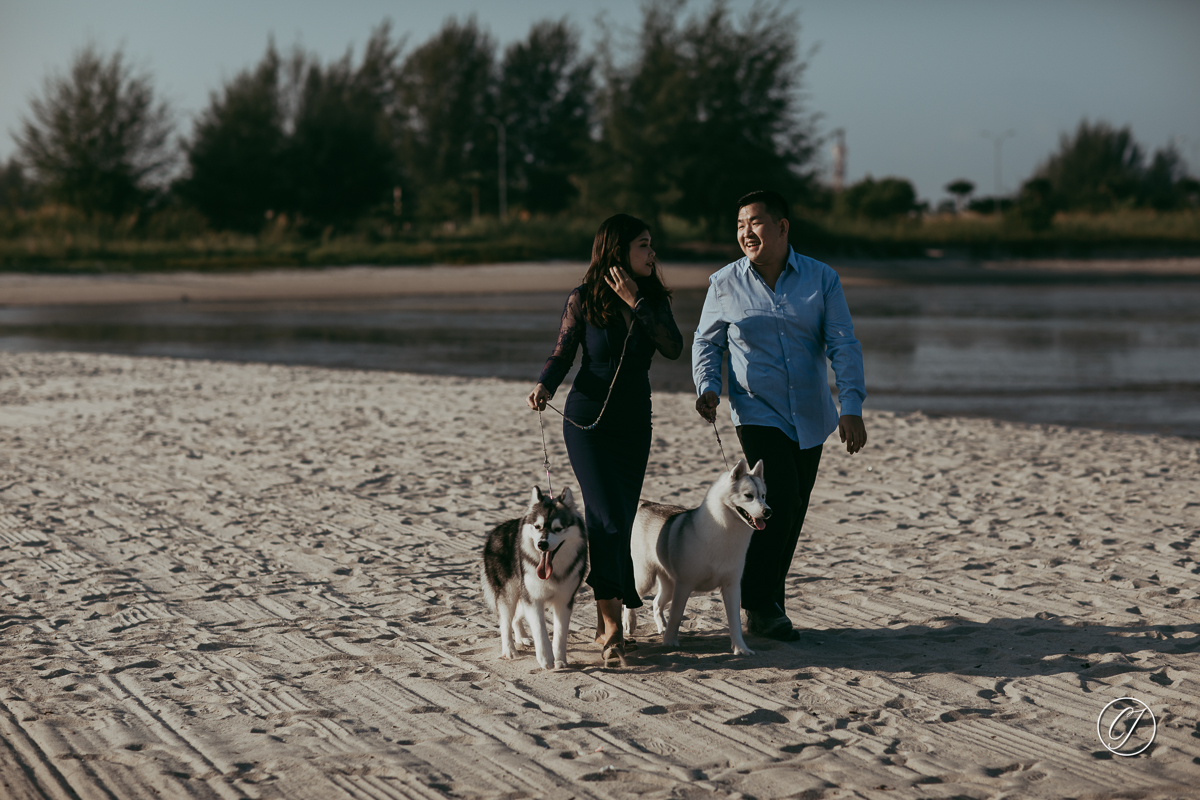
point(1098, 168)
point(677, 116)
point(686, 113)
point(1103, 168)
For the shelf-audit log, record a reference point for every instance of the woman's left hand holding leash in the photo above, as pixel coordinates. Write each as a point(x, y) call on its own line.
point(620, 282)
point(538, 397)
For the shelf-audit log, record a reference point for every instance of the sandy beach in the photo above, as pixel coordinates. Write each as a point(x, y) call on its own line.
point(228, 581)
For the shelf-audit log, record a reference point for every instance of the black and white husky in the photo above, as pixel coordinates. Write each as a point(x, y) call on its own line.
point(533, 562)
point(698, 550)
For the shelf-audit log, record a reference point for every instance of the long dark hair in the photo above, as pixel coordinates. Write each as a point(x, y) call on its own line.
point(611, 249)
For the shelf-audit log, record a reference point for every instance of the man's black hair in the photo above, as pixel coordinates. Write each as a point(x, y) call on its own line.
point(777, 207)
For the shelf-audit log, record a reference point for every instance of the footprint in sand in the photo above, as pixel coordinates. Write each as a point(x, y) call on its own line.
point(966, 713)
point(466, 677)
point(591, 694)
point(799, 676)
point(1014, 770)
point(996, 694)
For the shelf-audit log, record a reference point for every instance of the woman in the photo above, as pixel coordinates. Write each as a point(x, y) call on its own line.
point(619, 317)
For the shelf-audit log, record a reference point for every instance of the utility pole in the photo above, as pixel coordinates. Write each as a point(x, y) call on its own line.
point(501, 180)
point(839, 160)
point(998, 139)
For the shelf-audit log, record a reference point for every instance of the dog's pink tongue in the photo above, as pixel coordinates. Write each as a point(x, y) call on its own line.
point(760, 524)
point(544, 569)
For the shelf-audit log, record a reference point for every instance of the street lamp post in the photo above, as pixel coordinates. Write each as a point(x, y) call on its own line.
point(998, 139)
point(501, 180)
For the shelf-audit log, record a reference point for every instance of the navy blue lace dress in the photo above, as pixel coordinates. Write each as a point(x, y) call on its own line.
point(610, 460)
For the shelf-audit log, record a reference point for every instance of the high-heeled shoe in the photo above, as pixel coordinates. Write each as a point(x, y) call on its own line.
point(609, 632)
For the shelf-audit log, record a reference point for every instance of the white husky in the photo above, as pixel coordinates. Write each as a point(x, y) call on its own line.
point(699, 550)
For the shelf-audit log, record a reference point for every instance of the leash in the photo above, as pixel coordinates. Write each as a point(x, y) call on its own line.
point(542, 427)
point(607, 397)
point(545, 453)
point(719, 445)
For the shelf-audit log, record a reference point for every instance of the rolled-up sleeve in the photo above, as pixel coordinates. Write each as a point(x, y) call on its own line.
point(709, 344)
point(843, 350)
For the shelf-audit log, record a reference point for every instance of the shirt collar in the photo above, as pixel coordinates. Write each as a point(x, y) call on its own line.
point(793, 261)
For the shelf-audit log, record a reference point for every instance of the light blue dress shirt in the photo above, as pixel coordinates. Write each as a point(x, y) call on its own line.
point(777, 343)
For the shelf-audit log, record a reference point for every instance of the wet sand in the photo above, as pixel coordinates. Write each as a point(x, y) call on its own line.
point(303, 284)
point(333, 283)
point(224, 580)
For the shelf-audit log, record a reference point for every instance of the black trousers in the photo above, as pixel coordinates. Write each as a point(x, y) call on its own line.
point(790, 473)
point(610, 465)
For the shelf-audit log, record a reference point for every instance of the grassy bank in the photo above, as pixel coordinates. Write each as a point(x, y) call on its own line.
point(1127, 234)
point(63, 242)
point(69, 244)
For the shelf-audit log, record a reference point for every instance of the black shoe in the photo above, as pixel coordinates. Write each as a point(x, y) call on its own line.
point(772, 624)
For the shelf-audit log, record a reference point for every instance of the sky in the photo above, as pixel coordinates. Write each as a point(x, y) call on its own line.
point(915, 84)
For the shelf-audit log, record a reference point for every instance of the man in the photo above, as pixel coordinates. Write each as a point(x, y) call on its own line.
point(779, 315)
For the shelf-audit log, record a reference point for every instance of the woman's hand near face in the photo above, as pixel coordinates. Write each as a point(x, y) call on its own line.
point(625, 287)
point(537, 398)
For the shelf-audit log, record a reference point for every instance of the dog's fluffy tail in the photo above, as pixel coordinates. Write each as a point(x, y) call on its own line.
point(489, 596)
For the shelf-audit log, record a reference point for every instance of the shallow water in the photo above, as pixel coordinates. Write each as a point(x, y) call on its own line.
point(1121, 356)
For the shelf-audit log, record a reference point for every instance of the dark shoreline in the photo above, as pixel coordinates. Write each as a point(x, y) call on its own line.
point(1019, 271)
point(1109, 354)
point(333, 283)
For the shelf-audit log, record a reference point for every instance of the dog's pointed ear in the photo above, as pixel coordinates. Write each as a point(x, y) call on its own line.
point(739, 469)
point(536, 497)
point(757, 472)
point(567, 498)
